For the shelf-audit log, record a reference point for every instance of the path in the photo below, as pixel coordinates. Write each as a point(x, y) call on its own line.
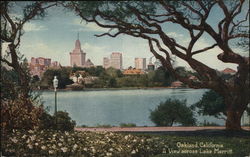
point(156, 129)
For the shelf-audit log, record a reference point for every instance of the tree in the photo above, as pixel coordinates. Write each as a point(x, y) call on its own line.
point(162, 77)
point(171, 112)
point(62, 75)
point(148, 20)
point(11, 32)
point(211, 104)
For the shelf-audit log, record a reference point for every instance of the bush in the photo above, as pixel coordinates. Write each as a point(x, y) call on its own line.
point(206, 123)
point(172, 112)
point(127, 125)
point(64, 122)
point(19, 114)
point(104, 126)
point(46, 121)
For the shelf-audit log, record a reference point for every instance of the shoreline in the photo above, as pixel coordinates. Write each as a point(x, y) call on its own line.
point(109, 89)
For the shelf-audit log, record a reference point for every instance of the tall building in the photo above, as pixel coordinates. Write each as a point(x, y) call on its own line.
point(151, 66)
point(157, 63)
point(39, 65)
point(116, 60)
point(77, 56)
point(140, 63)
point(106, 62)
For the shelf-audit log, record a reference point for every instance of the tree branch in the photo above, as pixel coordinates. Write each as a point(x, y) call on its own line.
point(6, 61)
point(204, 49)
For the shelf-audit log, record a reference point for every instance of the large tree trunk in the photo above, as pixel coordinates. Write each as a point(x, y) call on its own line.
point(233, 121)
point(236, 106)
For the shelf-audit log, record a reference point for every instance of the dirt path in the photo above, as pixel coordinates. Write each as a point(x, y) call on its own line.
point(155, 129)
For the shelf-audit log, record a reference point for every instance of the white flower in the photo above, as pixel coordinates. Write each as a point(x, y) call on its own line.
point(85, 149)
point(43, 147)
point(51, 151)
point(93, 150)
point(126, 137)
point(30, 131)
point(64, 149)
point(75, 146)
point(134, 140)
point(111, 149)
point(36, 144)
point(24, 136)
point(133, 152)
point(54, 146)
point(66, 133)
point(30, 146)
point(109, 154)
point(59, 144)
point(33, 137)
point(14, 140)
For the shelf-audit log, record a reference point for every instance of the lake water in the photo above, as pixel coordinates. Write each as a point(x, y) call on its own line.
point(118, 106)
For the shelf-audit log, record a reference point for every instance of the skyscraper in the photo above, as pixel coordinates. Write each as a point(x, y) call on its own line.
point(106, 62)
point(77, 56)
point(140, 63)
point(116, 60)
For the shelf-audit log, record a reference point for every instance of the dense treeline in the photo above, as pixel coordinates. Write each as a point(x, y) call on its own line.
point(108, 78)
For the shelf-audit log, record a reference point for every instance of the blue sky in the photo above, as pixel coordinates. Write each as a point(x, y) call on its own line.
point(54, 37)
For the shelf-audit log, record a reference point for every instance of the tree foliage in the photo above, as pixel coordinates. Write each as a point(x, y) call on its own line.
point(172, 112)
point(211, 104)
point(62, 75)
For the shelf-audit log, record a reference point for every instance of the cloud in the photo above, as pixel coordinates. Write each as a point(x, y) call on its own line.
point(209, 57)
point(87, 27)
point(29, 27)
point(95, 53)
point(41, 49)
point(175, 35)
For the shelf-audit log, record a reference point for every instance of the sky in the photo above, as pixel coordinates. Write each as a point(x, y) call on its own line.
point(54, 37)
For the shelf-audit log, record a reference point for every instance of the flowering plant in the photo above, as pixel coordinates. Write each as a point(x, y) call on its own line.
point(76, 143)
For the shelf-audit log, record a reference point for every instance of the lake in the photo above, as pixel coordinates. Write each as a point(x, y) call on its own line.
point(103, 107)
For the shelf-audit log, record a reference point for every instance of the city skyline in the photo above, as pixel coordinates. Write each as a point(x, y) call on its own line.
point(54, 38)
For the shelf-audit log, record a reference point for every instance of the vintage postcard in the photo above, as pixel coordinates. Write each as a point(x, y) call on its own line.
point(125, 78)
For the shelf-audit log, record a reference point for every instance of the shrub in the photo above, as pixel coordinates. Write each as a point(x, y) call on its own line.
point(171, 112)
point(206, 123)
point(103, 126)
point(127, 125)
point(63, 121)
point(19, 114)
point(46, 121)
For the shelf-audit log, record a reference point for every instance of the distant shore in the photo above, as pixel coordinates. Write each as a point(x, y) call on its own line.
point(102, 89)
